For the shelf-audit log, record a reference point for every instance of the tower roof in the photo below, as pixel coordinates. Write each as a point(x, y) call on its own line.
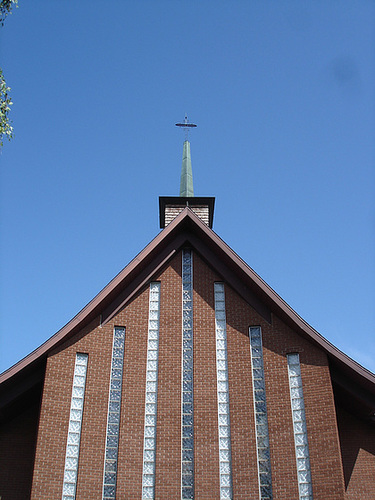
point(171, 206)
point(186, 184)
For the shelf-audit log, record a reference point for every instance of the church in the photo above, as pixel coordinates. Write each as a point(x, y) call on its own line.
point(187, 377)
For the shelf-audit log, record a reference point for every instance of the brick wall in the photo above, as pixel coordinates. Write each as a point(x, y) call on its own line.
point(54, 418)
point(278, 340)
point(358, 455)
point(168, 438)
point(206, 452)
point(325, 458)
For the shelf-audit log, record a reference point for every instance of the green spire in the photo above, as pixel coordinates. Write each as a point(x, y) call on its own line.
point(186, 184)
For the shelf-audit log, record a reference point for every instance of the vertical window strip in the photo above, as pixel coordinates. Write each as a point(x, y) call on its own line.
point(260, 410)
point(149, 446)
point(75, 424)
point(113, 421)
point(225, 458)
point(299, 427)
point(187, 448)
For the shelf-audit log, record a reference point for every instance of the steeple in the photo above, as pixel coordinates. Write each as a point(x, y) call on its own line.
point(186, 183)
point(171, 206)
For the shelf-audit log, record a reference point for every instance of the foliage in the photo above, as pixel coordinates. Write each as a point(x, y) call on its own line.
point(6, 129)
point(5, 9)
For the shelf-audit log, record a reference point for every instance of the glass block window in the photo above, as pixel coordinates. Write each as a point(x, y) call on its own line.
point(75, 424)
point(113, 422)
point(187, 448)
point(225, 457)
point(299, 427)
point(149, 446)
point(260, 410)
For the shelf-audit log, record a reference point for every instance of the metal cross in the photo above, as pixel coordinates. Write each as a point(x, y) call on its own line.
point(186, 125)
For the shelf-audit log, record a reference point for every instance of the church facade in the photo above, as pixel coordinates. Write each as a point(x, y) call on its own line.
point(187, 377)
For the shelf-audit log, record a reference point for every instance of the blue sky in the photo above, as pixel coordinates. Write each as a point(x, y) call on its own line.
point(284, 97)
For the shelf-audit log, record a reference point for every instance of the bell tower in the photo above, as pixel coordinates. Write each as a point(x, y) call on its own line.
point(171, 206)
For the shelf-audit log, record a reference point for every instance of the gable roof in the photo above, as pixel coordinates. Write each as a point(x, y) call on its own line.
point(349, 377)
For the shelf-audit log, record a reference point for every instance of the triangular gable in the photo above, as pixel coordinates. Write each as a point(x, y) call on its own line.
point(188, 229)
